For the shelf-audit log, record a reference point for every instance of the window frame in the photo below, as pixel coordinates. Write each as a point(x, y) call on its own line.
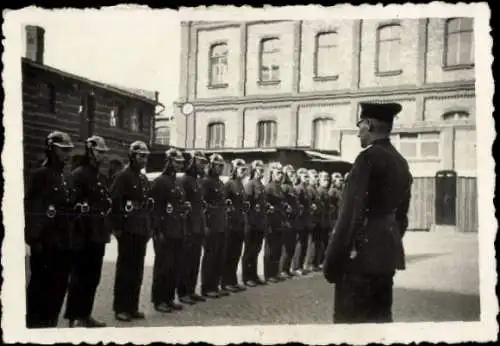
point(386, 73)
point(396, 141)
point(157, 130)
point(274, 136)
point(209, 137)
point(211, 83)
point(316, 120)
point(261, 81)
point(458, 66)
point(316, 76)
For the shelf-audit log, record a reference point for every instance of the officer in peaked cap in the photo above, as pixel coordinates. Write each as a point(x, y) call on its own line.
point(130, 216)
point(91, 232)
point(372, 222)
point(195, 227)
point(170, 212)
point(48, 217)
point(235, 235)
point(257, 224)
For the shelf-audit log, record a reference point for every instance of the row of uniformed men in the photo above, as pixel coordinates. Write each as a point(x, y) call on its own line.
point(69, 221)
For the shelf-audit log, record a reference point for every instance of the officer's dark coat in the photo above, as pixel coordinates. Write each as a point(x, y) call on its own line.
point(315, 214)
point(169, 197)
point(373, 217)
point(235, 192)
point(88, 185)
point(255, 191)
point(132, 186)
point(325, 207)
point(275, 197)
point(213, 194)
point(194, 194)
point(292, 201)
point(302, 220)
point(48, 186)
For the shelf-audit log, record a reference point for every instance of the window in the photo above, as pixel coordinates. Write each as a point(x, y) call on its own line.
point(218, 65)
point(216, 135)
point(113, 117)
point(270, 60)
point(418, 145)
point(134, 121)
point(389, 49)
point(163, 135)
point(120, 115)
point(266, 133)
point(455, 116)
point(322, 132)
point(459, 42)
point(326, 64)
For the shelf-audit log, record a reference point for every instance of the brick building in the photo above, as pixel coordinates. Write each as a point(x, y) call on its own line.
point(263, 85)
point(57, 100)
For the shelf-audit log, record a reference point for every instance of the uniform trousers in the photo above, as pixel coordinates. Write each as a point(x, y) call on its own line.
point(235, 236)
point(254, 238)
point(84, 279)
point(213, 261)
point(317, 245)
point(288, 250)
point(50, 269)
point(272, 253)
point(363, 299)
point(303, 245)
point(190, 264)
point(129, 272)
point(166, 269)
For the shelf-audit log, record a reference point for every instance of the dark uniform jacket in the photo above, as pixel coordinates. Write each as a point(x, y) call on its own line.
point(275, 197)
point(169, 197)
point(129, 191)
point(195, 223)
point(315, 214)
point(290, 200)
point(213, 194)
point(88, 187)
point(325, 207)
point(47, 190)
point(256, 195)
point(368, 235)
point(235, 192)
point(336, 199)
point(302, 220)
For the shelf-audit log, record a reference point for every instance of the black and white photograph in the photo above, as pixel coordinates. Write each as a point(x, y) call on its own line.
point(235, 174)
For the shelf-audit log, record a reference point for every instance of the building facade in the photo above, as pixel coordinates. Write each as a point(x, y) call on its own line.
point(298, 84)
point(56, 100)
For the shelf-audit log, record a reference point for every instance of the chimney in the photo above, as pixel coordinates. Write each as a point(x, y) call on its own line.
point(35, 44)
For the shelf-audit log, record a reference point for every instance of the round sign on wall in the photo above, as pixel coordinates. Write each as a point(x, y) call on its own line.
point(187, 108)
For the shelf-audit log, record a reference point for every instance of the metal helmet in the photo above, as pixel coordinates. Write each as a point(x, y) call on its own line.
point(302, 171)
point(96, 142)
point(59, 139)
point(198, 154)
point(139, 147)
point(336, 175)
point(216, 159)
point(275, 166)
point(346, 176)
point(324, 175)
point(312, 172)
point(174, 154)
point(288, 168)
point(257, 163)
point(238, 163)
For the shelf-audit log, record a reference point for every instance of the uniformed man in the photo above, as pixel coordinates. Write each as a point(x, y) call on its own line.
point(169, 214)
point(366, 247)
point(256, 224)
point(303, 220)
point(291, 208)
point(326, 213)
point(276, 222)
point(195, 227)
point(91, 233)
point(238, 207)
point(131, 225)
point(213, 246)
point(314, 221)
point(47, 232)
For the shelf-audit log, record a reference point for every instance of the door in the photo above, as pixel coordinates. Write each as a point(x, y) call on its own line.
point(446, 195)
point(87, 115)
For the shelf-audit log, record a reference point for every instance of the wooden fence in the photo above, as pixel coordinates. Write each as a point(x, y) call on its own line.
point(422, 213)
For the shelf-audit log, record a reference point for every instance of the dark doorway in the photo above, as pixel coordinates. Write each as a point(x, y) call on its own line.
point(446, 195)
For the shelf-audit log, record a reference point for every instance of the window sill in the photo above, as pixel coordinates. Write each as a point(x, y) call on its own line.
point(217, 86)
point(268, 82)
point(388, 73)
point(458, 67)
point(325, 78)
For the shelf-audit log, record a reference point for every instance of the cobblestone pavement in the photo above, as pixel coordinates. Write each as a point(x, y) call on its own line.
point(441, 283)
